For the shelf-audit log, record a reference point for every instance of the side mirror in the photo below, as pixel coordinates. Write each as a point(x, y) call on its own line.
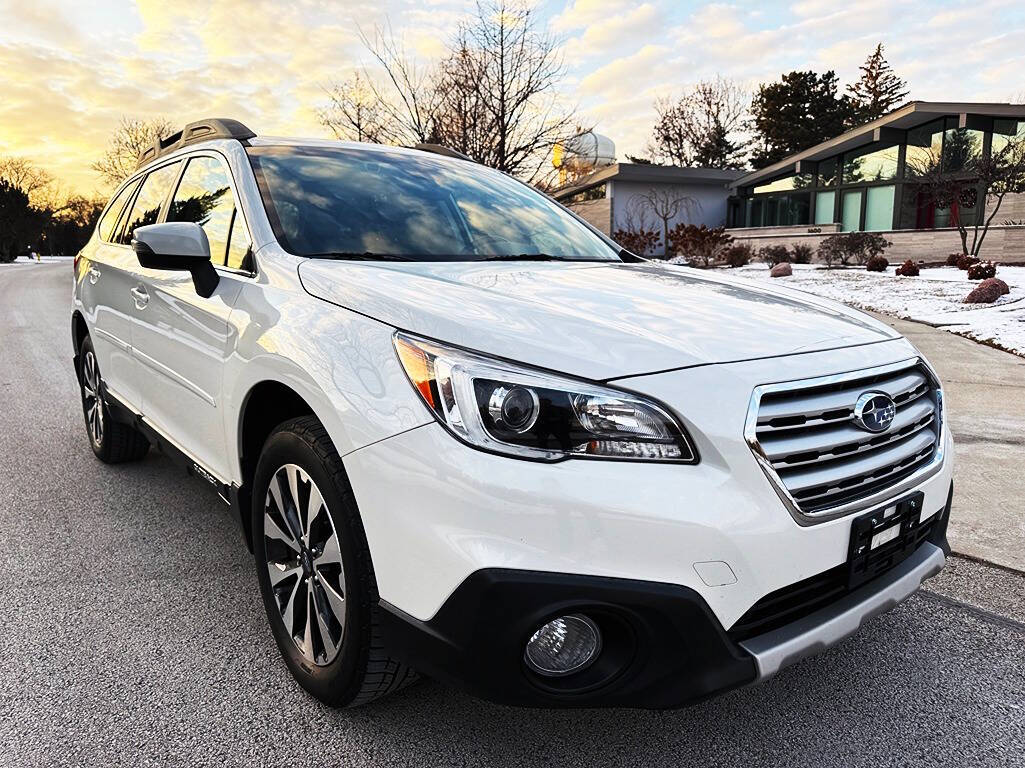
point(178, 246)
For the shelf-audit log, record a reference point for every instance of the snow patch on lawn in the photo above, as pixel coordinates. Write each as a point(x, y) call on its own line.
point(935, 297)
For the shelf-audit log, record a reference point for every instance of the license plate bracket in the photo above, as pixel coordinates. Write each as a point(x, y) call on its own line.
point(882, 538)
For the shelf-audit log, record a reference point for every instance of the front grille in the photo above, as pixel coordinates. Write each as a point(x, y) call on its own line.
point(807, 435)
point(805, 597)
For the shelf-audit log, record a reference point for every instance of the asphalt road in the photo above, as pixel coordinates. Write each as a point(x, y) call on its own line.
point(131, 633)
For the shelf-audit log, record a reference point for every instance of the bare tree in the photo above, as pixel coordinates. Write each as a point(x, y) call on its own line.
point(493, 96)
point(356, 112)
point(704, 127)
point(21, 173)
point(130, 138)
point(409, 99)
point(667, 204)
point(961, 177)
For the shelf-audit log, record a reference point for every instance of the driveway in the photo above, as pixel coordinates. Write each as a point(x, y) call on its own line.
point(133, 634)
point(985, 391)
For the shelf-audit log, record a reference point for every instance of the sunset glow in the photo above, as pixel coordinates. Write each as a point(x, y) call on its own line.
point(72, 70)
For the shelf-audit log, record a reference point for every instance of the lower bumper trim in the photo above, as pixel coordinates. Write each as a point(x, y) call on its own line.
point(814, 633)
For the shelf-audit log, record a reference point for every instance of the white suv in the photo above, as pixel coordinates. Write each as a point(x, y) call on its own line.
point(465, 433)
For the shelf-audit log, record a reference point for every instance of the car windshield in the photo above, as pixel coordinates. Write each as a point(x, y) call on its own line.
point(376, 204)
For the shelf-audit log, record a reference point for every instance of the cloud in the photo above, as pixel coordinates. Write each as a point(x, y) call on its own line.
point(72, 70)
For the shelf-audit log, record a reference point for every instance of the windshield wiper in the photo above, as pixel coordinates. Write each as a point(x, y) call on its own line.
point(351, 256)
point(525, 257)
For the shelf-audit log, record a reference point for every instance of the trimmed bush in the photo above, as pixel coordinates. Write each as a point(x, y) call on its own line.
point(738, 254)
point(877, 264)
point(953, 259)
point(908, 269)
point(641, 241)
point(698, 244)
point(801, 253)
point(965, 261)
point(857, 247)
point(982, 270)
point(774, 254)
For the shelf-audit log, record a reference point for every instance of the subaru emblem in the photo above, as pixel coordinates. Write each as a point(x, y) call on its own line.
point(874, 411)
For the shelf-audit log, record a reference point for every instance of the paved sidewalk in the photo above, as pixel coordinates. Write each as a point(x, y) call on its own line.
point(985, 391)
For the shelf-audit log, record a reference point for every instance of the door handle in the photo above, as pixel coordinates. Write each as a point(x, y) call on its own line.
point(94, 275)
point(141, 298)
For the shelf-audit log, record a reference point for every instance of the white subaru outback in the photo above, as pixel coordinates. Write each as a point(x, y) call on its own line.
point(466, 434)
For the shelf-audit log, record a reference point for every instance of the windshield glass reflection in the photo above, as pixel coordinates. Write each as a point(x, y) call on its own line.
point(362, 203)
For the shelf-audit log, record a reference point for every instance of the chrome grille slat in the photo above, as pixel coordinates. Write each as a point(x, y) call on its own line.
point(816, 404)
point(802, 478)
point(814, 501)
point(823, 462)
point(826, 444)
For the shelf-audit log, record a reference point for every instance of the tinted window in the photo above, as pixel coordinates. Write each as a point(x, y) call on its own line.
point(415, 206)
point(113, 211)
point(152, 194)
point(204, 197)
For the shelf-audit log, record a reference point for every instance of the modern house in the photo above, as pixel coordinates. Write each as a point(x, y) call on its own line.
point(620, 196)
point(869, 179)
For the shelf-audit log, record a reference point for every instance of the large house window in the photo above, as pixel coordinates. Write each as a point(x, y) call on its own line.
point(879, 208)
point(824, 202)
point(1005, 132)
point(787, 183)
point(961, 148)
point(925, 146)
point(871, 165)
point(850, 214)
point(594, 193)
point(829, 172)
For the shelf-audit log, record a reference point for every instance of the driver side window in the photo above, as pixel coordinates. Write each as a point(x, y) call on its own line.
point(204, 196)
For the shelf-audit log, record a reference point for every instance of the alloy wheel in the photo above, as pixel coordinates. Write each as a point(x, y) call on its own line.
point(92, 399)
point(304, 564)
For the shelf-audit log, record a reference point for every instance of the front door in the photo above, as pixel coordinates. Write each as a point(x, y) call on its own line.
point(183, 340)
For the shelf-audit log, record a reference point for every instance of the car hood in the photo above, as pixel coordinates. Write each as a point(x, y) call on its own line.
point(595, 320)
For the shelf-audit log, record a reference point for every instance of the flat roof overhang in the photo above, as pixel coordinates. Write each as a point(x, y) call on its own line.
point(881, 129)
point(642, 173)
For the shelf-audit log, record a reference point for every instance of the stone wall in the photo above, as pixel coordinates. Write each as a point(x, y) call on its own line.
point(1004, 244)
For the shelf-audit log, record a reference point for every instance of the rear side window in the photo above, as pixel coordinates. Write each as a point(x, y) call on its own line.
point(204, 196)
point(113, 212)
point(148, 202)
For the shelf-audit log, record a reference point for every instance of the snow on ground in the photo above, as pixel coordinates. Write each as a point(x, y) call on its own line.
point(935, 297)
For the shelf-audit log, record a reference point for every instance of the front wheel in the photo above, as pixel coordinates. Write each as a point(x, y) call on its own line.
point(112, 441)
point(314, 570)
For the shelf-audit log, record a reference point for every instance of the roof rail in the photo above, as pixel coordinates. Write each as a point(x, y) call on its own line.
point(200, 130)
point(441, 149)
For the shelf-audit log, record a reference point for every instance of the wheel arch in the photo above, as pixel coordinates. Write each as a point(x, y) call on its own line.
point(266, 405)
point(79, 332)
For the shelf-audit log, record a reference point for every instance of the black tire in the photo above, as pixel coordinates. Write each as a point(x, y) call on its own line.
point(361, 669)
point(112, 441)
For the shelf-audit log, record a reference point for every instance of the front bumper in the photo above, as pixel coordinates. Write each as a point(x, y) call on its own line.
point(663, 647)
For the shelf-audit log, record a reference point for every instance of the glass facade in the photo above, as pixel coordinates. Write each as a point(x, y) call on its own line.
point(825, 203)
point(850, 213)
point(876, 187)
point(870, 165)
point(879, 208)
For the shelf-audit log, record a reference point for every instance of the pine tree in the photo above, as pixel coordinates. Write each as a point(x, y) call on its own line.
point(879, 90)
point(799, 111)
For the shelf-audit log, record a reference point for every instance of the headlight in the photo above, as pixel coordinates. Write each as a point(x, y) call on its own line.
point(518, 411)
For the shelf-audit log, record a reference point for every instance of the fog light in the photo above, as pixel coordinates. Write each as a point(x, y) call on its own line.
point(563, 646)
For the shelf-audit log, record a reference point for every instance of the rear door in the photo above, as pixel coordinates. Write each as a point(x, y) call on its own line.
point(105, 286)
point(181, 339)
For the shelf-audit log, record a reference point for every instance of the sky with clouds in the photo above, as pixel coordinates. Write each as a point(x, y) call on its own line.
point(72, 69)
